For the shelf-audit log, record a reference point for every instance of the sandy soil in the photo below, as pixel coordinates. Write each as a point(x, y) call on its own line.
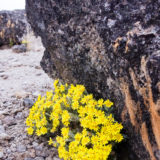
point(21, 73)
point(21, 80)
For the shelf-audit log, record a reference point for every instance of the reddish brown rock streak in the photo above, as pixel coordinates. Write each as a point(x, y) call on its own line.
point(146, 93)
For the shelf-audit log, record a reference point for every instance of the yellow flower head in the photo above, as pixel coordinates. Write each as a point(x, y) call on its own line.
point(84, 127)
point(50, 142)
point(30, 130)
point(65, 132)
point(56, 83)
point(108, 103)
point(100, 103)
point(65, 117)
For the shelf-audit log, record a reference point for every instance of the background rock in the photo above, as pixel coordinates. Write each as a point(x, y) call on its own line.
point(113, 48)
point(13, 26)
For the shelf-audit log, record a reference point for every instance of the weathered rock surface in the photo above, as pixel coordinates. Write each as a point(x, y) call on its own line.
point(113, 48)
point(13, 26)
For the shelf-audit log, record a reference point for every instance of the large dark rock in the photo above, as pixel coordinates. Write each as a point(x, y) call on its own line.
point(113, 48)
point(13, 26)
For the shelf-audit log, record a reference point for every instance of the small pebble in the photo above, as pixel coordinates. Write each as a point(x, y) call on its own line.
point(39, 147)
point(1, 154)
point(35, 144)
point(19, 115)
point(21, 94)
point(41, 153)
point(9, 120)
point(39, 158)
point(55, 158)
point(37, 67)
point(4, 136)
point(36, 93)
point(38, 74)
point(2, 130)
point(28, 102)
point(8, 151)
point(4, 76)
point(21, 148)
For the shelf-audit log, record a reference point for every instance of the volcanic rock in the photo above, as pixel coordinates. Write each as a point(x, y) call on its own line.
point(113, 48)
point(13, 26)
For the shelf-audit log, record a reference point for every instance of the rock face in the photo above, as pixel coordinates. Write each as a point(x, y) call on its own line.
point(113, 48)
point(13, 26)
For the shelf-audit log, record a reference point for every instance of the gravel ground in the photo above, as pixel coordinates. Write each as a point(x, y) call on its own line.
point(21, 81)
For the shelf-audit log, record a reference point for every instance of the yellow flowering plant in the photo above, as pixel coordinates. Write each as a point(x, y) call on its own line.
point(84, 128)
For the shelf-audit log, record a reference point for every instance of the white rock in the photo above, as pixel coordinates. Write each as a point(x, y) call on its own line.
point(39, 158)
point(4, 136)
point(2, 129)
point(49, 158)
point(1, 154)
point(8, 151)
point(21, 94)
point(19, 115)
point(9, 120)
point(21, 148)
point(55, 158)
point(36, 93)
point(3, 112)
point(35, 144)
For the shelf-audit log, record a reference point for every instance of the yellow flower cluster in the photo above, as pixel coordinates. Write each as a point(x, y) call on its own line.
point(88, 130)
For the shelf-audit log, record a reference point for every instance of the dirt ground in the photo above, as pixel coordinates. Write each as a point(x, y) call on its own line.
point(21, 81)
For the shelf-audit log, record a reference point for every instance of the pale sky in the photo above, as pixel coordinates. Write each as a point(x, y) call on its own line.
point(12, 4)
